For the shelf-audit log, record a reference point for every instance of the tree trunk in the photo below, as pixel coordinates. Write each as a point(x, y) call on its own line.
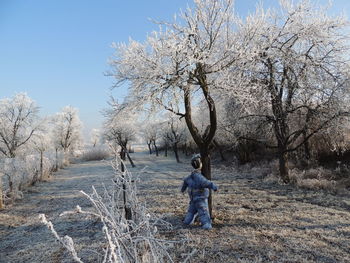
point(36, 177)
point(155, 147)
point(281, 130)
point(283, 166)
point(149, 148)
point(12, 153)
point(130, 160)
point(176, 152)
point(56, 166)
point(206, 171)
point(221, 152)
point(166, 150)
point(307, 153)
point(122, 155)
point(41, 165)
point(202, 141)
point(187, 150)
point(66, 157)
point(223, 159)
point(127, 210)
point(11, 188)
point(2, 205)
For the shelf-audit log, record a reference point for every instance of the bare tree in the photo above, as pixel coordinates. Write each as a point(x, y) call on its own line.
point(41, 143)
point(151, 132)
point(67, 130)
point(178, 67)
point(119, 128)
point(18, 122)
point(173, 134)
point(296, 69)
point(95, 137)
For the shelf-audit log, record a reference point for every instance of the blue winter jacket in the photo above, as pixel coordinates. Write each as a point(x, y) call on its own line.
point(198, 186)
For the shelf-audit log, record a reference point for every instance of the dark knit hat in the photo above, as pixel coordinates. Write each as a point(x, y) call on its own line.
point(196, 161)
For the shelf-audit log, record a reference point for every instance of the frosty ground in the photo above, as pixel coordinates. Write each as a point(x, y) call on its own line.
point(256, 220)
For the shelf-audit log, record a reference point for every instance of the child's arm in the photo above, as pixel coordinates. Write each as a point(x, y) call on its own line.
point(205, 183)
point(184, 186)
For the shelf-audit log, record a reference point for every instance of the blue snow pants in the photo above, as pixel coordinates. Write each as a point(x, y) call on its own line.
point(199, 206)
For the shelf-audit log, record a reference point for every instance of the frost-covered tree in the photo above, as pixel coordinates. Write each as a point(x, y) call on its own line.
point(18, 123)
point(42, 142)
point(95, 137)
point(180, 65)
point(239, 135)
point(67, 130)
point(294, 75)
point(173, 134)
point(151, 132)
point(119, 128)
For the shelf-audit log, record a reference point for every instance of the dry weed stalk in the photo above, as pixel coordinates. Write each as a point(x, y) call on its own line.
point(66, 241)
point(127, 240)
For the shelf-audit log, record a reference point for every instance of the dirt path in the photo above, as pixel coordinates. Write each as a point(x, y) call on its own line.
point(255, 220)
point(24, 239)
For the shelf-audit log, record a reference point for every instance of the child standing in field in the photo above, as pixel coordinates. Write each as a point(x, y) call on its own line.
point(198, 190)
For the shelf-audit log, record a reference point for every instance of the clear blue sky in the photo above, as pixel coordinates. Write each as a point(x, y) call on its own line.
point(57, 50)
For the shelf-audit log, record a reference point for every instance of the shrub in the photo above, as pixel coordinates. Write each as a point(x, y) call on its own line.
point(96, 154)
point(24, 170)
point(320, 179)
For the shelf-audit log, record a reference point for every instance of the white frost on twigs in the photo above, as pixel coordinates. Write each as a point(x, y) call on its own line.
point(66, 241)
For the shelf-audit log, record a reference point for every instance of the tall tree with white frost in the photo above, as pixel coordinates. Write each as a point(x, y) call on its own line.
point(67, 129)
point(173, 134)
point(95, 137)
point(18, 123)
point(41, 143)
point(179, 66)
point(296, 69)
point(119, 129)
point(151, 133)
